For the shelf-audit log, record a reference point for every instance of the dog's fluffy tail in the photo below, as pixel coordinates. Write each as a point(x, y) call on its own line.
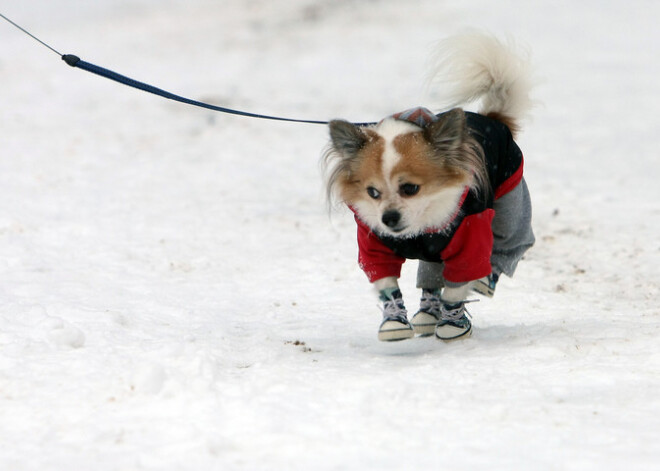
point(475, 66)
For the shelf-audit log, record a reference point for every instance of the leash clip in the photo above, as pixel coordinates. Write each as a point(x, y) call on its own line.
point(70, 59)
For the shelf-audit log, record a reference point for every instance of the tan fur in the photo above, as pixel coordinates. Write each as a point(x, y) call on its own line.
point(352, 182)
point(439, 165)
point(419, 167)
point(420, 164)
point(508, 121)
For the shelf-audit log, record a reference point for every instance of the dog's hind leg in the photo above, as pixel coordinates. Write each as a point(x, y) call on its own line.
point(429, 275)
point(512, 229)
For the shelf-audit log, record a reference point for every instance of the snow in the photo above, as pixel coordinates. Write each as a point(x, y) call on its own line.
point(174, 295)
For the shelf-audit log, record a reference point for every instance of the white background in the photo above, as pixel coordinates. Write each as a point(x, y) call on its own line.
point(159, 263)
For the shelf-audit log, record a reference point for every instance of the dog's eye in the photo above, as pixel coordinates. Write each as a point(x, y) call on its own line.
point(374, 193)
point(409, 189)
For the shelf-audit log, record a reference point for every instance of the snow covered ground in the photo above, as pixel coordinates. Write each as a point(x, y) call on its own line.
point(174, 296)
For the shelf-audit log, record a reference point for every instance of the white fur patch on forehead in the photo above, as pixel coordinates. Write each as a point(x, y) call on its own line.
point(389, 129)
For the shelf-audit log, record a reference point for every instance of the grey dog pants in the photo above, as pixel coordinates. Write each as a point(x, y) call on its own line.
point(512, 236)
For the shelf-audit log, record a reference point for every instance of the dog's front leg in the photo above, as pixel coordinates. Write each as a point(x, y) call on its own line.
point(453, 321)
point(455, 294)
point(395, 325)
point(387, 285)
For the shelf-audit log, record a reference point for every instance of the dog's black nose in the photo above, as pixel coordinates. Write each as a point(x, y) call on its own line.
point(391, 218)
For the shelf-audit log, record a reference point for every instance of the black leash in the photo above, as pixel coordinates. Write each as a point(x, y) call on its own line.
point(75, 61)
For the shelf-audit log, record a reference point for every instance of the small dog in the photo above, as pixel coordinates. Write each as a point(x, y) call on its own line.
point(446, 189)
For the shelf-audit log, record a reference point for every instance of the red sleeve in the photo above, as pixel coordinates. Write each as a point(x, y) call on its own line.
point(375, 259)
point(467, 257)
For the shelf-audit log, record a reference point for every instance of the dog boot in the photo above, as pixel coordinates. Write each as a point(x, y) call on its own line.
point(454, 322)
point(428, 316)
point(486, 285)
point(395, 325)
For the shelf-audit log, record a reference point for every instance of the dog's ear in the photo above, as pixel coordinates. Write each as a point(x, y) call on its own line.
point(347, 138)
point(448, 133)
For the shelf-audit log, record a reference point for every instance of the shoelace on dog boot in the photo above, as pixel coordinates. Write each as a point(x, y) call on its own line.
point(428, 315)
point(393, 307)
point(454, 312)
point(395, 325)
point(454, 321)
point(430, 302)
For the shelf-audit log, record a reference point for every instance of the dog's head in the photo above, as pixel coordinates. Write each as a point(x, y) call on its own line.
point(403, 178)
